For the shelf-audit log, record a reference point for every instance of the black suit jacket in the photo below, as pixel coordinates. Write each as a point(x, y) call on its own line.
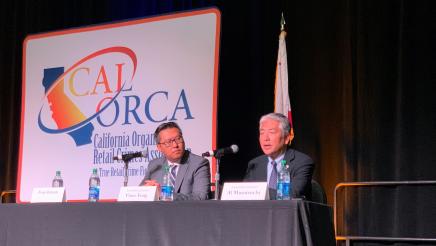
point(301, 169)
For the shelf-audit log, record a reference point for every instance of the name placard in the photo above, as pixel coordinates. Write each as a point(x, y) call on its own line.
point(138, 194)
point(245, 191)
point(48, 194)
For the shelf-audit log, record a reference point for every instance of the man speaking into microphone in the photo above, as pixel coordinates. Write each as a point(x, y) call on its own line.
point(191, 172)
point(275, 136)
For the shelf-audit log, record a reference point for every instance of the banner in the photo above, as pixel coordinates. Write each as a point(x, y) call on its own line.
point(89, 94)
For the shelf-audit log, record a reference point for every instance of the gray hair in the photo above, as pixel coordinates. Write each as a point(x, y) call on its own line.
point(284, 125)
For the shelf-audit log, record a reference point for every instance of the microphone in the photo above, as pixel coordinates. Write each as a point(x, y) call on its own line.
point(223, 151)
point(129, 156)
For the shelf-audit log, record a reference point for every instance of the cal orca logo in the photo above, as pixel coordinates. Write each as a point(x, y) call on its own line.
point(77, 95)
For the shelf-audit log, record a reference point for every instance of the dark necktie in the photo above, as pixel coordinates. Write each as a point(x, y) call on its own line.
point(273, 178)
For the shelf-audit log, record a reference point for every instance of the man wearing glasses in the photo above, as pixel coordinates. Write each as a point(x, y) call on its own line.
point(191, 172)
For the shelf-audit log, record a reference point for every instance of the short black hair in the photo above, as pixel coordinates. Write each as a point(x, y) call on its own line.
point(164, 126)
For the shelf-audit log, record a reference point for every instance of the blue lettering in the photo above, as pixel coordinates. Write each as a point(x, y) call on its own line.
point(182, 97)
point(147, 106)
point(117, 112)
point(131, 114)
point(131, 111)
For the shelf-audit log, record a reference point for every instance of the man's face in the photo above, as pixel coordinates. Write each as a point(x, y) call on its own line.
point(171, 144)
point(271, 140)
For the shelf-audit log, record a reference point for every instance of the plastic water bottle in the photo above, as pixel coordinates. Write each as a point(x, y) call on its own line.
point(167, 189)
point(94, 186)
point(283, 183)
point(57, 181)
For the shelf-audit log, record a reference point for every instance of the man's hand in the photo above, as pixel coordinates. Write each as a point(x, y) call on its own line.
point(152, 182)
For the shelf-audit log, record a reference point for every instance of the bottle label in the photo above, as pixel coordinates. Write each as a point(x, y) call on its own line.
point(283, 191)
point(94, 193)
point(167, 193)
point(58, 183)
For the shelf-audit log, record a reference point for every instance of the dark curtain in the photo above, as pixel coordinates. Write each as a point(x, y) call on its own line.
point(390, 135)
point(17, 20)
point(362, 86)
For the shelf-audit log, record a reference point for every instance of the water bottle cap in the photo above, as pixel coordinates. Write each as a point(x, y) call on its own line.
point(58, 173)
point(94, 170)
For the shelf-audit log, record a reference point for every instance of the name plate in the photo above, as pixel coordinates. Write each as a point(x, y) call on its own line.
point(245, 191)
point(138, 194)
point(48, 194)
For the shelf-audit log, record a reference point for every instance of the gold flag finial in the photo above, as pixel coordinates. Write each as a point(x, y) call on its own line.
point(282, 23)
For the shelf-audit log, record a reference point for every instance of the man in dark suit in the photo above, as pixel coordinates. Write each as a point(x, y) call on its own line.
point(192, 175)
point(274, 137)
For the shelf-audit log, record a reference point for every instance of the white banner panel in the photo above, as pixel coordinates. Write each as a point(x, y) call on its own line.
point(95, 92)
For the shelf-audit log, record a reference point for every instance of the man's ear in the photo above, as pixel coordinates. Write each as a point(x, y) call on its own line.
point(159, 147)
point(290, 137)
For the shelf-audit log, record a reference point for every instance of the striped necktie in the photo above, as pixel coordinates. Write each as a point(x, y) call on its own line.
point(173, 174)
point(273, 178)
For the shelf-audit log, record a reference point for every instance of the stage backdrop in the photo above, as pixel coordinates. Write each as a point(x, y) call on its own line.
point(91, 93)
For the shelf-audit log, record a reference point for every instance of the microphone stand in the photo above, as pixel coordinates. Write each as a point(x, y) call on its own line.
point(217, 177)
point(126, 159)
point(126, 167)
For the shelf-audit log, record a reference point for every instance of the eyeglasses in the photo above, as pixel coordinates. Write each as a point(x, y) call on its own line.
point(169, 142)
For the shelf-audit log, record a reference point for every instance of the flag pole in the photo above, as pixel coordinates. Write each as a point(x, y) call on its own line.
point(281, 99)
point(282, 23)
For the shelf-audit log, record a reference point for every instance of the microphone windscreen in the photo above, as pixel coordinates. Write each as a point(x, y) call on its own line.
point(234, 148)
